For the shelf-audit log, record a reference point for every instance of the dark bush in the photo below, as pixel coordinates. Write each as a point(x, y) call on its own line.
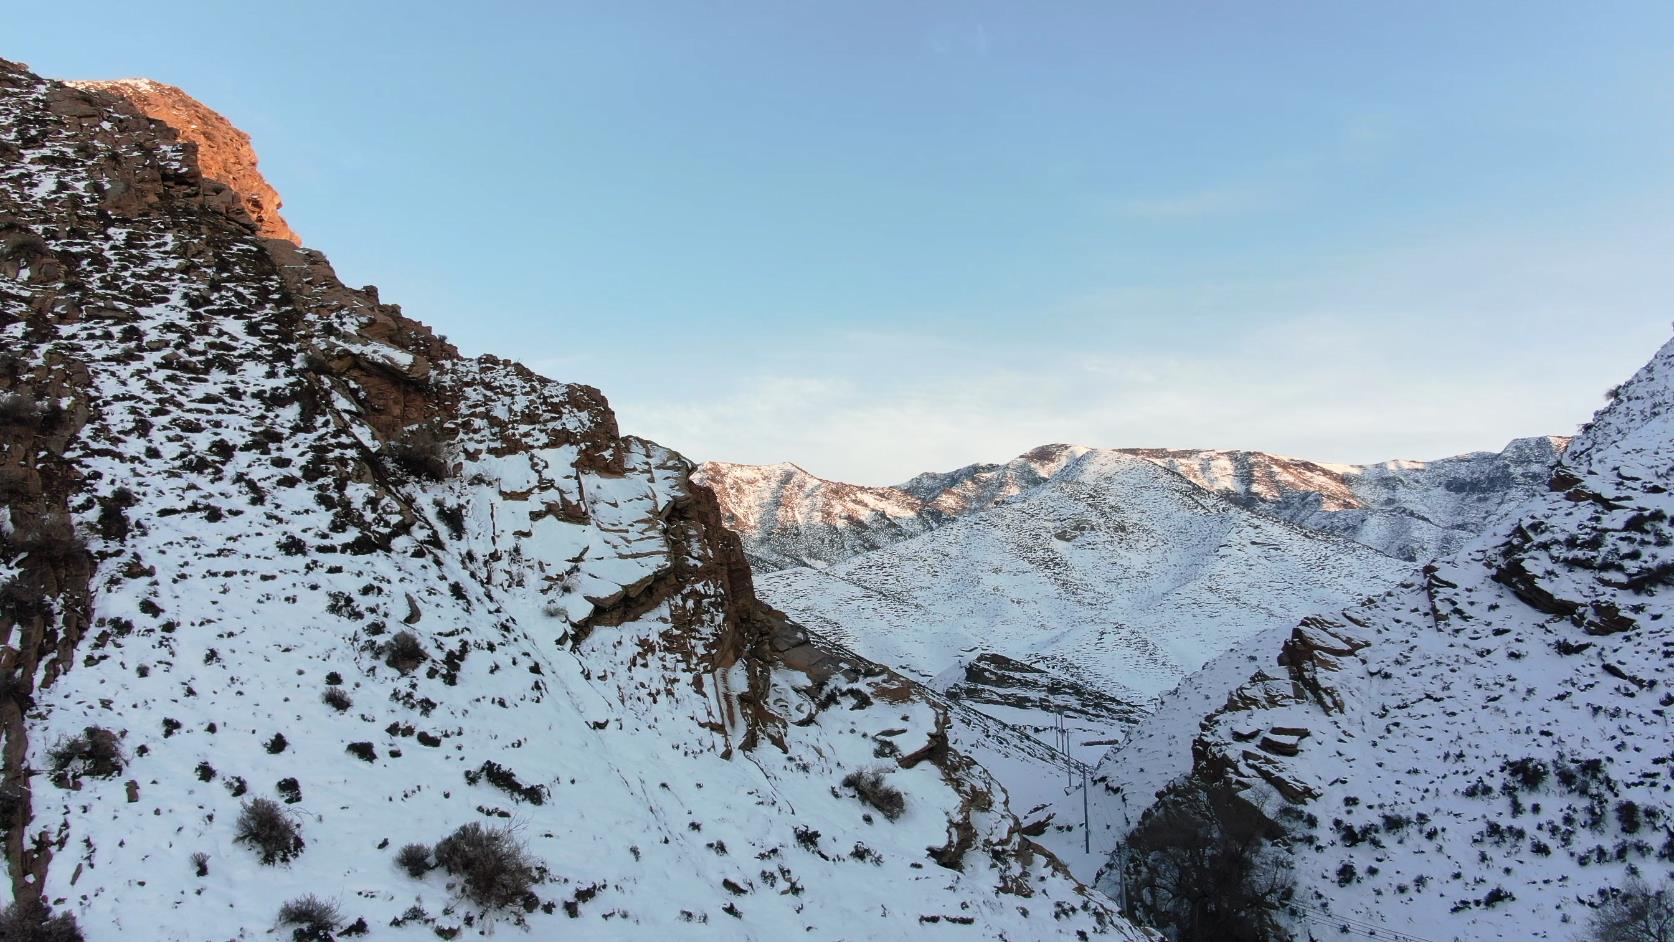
point(493, 867)
point(30, 920)
point(200, 864)
point(314, 919)
point(453, 517)
point(506, 780)
point(421, 453)
point(415, 859)
point(337, 699)
point(363, 751)
point(871, 788)
point(276, 745)
point(95, 752)
point(266, 827)
point(404, 652)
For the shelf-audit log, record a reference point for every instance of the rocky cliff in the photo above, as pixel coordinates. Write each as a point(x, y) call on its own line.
point(287, 584)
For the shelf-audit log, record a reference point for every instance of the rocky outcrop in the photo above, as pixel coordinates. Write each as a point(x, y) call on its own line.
point(224, 153)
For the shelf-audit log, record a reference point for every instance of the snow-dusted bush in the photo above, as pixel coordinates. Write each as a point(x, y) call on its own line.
point(266, 827)
point(31, 921)
point(95, 751)
point(337, 699)
point(493, 868)
point(404, 652)
point(415, 859)
point(869, 786)
point(312, 918)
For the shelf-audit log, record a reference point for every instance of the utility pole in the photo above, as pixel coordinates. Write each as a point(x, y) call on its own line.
point(1086, 819)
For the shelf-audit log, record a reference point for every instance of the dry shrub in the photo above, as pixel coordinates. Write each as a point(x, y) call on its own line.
point(266, 827)
point(404, 652)
point(415, 859)
point(314, 919)
point(871, 788)
point(493, 867)
point(95, 752)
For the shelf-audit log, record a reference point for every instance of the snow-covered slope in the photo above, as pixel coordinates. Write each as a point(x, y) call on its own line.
point(1115, 574)
point(789, 517)
point(1413, 510)
point(270, 539)
point(1481, 752)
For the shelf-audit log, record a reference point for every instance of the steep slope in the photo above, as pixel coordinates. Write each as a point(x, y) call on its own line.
point(1115, 575)
point(1412, 510)
point(266, 538)
point(1482, 752)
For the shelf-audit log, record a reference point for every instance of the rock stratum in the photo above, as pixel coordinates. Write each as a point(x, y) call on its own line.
point(267, 538)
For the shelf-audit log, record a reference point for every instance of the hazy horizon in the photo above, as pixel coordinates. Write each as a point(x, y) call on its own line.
point(878, 240)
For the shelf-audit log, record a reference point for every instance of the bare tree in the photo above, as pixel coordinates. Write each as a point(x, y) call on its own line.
point(1636, 913)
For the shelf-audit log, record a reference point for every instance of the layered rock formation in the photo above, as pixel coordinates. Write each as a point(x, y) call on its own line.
point(264, 537)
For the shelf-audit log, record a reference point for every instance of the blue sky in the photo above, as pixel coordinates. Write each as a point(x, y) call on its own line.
point(879, 238)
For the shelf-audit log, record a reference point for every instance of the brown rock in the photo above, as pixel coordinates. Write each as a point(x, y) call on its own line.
point(224, 151)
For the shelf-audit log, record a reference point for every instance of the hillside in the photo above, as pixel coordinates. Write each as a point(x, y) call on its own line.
point(266, 538)
point(1480, 753)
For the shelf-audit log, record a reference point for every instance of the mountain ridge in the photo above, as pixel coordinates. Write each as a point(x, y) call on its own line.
point(1403, 508)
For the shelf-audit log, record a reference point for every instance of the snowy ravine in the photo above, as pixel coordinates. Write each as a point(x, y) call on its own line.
point(221, 504)
point(1089, 594)
point(1481, 752)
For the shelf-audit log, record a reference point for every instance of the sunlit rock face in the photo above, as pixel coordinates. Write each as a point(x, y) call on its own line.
point(224, 152)
point(267, 538)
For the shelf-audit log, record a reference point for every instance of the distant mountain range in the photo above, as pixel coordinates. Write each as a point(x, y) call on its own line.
point(1412, 510)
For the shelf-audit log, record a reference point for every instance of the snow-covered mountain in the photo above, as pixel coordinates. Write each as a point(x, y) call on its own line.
point(1092, 592)
point(792, 518)
point(1413, 510)
point(1478, 754)
point(287, 584)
